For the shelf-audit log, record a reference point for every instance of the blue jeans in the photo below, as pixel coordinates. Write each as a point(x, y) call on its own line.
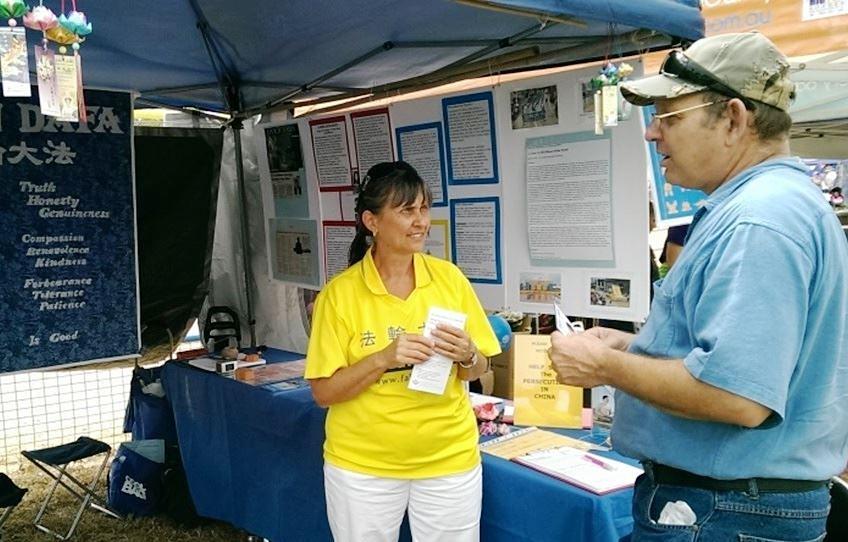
point(726, 516)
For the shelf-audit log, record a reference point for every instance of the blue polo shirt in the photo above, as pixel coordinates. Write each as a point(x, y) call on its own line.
point(757, 305)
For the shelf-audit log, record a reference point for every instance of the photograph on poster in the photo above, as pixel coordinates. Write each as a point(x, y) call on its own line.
point(609, 292)
point(534, 107)
point(295, 251)
point(540, 287)
point(587, 97)
point(285, 161)
point(603, 404)
point(14, 65)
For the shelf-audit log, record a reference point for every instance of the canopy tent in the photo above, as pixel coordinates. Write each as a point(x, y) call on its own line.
point(253, 57)
point(820, 110)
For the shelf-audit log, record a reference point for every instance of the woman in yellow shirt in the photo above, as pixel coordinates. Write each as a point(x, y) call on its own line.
point(389, 448)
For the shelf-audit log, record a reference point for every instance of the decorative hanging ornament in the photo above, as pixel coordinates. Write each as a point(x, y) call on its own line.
point(76, 22)
point(607, 104)
point(70, 30)
point(43, 19)
point(11, 9)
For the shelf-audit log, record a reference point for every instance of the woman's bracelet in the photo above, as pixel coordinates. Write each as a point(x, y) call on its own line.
point(472, 361)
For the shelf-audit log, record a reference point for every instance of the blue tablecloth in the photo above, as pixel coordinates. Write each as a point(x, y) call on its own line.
point(253, 458)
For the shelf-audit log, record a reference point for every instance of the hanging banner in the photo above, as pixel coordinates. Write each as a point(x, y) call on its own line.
point(797, 27)
point(68, 282)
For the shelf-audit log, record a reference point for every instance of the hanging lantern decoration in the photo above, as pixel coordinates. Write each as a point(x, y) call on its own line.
point(606, 92)
point(41, 19)
point(77, 24)
point(68, 29)
point(11, 10)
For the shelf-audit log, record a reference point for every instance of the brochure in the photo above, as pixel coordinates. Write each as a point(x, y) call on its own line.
point(272, 372)
point(589, 471)
point(531, 439)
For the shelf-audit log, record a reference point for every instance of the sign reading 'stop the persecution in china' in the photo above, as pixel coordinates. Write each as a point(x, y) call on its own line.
point(68, 282)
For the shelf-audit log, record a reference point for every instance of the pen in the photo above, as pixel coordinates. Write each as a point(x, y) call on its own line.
point(594, 460)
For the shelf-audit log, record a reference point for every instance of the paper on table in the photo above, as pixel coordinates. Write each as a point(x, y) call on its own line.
point(591, 472)
point(208, 364)
point(274, 372)
point(432, 375)
point(531, 439)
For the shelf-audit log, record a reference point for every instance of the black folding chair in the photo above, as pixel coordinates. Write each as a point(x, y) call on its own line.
point(10, 497)
point(222, 324)
point(55, 462)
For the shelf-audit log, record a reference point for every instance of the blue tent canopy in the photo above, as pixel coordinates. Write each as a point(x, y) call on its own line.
point(254, 56)
point(251, 56)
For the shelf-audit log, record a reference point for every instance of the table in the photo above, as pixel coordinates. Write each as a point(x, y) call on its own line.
point(253, 458)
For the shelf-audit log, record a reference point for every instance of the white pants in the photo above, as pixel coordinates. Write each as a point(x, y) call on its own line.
point(364, 508)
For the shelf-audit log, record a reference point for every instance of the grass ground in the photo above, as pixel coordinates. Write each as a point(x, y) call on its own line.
point(95, 526)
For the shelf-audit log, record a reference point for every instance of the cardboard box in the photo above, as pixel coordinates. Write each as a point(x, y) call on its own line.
point(502, 366)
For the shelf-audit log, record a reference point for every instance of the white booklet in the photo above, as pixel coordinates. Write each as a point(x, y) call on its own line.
point(590, 471)
point(432, 375)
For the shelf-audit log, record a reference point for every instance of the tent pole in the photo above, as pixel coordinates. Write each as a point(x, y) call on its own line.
point(237, 125)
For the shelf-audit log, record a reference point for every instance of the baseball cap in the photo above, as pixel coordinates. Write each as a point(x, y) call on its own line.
point(744, 65)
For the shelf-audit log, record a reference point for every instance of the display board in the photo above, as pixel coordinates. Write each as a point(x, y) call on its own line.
point(68, 281)
point(575, 203)
point(533, 206)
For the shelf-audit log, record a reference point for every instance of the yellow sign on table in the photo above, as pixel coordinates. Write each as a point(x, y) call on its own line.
point(539, 398)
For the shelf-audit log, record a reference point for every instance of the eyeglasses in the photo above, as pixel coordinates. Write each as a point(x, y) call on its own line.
point(661, 116)
point(678, 65)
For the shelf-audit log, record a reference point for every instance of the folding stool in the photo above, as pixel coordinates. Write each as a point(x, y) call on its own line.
point(10, 497)
point(55, 462)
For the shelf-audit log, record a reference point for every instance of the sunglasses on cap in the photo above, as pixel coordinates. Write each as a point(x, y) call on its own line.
point(680, 66)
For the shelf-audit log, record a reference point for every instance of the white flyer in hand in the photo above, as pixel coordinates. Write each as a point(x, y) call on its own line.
point(563, 324)
point(432, 375)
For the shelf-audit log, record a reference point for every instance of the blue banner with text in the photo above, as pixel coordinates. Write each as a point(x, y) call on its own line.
point(68, 281)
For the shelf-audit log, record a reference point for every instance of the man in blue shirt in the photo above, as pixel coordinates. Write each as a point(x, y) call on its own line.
point(734, 395)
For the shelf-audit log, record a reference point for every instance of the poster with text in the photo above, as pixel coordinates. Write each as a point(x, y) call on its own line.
point(569, 199)
point(294, 251)
point(68, 280)
point(422, 147)
point(338, 235)
point(372, 138)
point(287, 174)
point(332, 153)
point(470, 132)
point(476, 234)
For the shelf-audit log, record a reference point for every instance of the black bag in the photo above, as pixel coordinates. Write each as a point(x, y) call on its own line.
point(177, 503)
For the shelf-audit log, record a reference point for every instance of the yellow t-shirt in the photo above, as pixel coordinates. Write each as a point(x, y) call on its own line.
point(389, 430)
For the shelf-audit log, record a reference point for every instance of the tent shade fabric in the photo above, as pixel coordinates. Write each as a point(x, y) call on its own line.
point(270, 52)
